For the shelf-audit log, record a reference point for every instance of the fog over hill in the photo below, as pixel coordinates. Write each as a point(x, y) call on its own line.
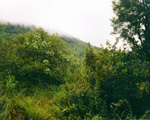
point(75, 45)
point(47, 29)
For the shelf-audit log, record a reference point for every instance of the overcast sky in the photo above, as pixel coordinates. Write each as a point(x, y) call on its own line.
point(88, 20)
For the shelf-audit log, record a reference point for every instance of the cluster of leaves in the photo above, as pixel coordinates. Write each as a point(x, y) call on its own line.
point(34, 57)
point(78, 101)
point(132, 22)
point(121, 79)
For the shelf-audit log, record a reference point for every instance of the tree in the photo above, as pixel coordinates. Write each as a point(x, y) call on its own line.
point(34, 57)
point(1, 27)
point(132, 22)
point(118, 75)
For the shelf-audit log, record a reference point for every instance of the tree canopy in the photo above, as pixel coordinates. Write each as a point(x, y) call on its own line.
point(34, 57)
point(132, 22)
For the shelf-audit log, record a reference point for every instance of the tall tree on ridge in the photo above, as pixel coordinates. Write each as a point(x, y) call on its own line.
point(132, 22)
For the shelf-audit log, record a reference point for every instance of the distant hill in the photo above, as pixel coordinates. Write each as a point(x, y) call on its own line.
point(7, 30)
point(78, 47)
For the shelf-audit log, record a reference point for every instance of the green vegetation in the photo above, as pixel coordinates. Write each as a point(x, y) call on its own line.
point(132, 22)
point(78, 47)
point(40, 79)
point(7, 30)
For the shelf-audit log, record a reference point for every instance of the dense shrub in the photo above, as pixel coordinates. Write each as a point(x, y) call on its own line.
point(34, 57)
point(119, 75)
point(79, 101)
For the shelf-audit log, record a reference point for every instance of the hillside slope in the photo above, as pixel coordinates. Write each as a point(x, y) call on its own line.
point(77, 47)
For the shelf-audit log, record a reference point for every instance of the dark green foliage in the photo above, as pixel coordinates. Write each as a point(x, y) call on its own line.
point(122, 110)
point(7, 30)
point(79, 101)
point(120, 75)
point(132, 22)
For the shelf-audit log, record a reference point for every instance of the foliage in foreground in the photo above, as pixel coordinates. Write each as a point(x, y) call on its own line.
point(40, 79)
point(121, 79)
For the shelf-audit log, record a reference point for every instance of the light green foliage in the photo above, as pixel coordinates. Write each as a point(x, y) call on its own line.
point(146, 115)
point(2, 27)
point(19, 106)
point(7, 94)
point(78, 47)
point(35, 57)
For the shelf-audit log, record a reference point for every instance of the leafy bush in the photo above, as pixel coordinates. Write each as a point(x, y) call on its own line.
point(7, 95)
point(34, 57)
point(119, 75)
point(78, 101)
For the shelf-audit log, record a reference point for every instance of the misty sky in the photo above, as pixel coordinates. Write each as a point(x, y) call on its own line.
point(87, 20)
